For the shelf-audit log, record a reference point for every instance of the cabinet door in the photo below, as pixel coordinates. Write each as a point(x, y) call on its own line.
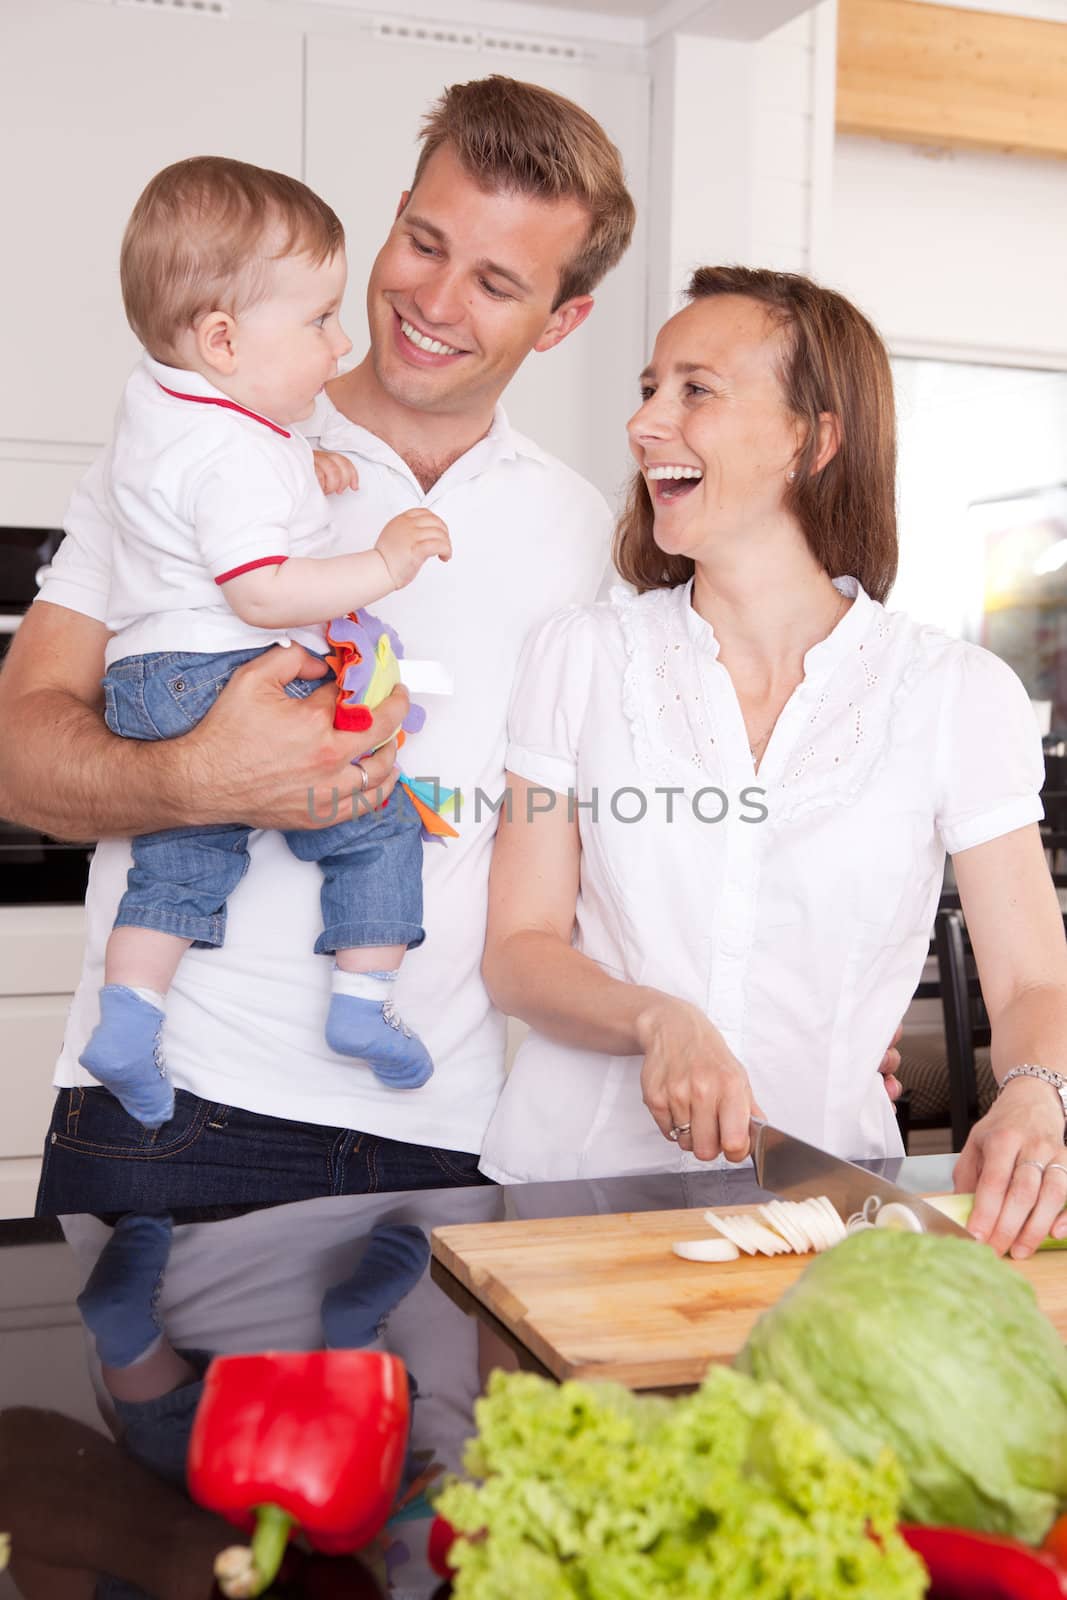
point(366, 99)
point(31, 1027)
point(93, 101)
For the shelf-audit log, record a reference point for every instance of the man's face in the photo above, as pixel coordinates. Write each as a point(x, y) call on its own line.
point(463, 289)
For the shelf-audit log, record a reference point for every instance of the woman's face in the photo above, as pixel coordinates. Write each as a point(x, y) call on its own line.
point(712, 409)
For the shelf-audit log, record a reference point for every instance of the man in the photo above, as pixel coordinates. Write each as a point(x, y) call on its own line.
point(518, 207)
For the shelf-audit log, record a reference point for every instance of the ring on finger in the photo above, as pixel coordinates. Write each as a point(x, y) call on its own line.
point(1030, 1162)
point(1056, 1166)
point(361, 769)
point(678, 1129)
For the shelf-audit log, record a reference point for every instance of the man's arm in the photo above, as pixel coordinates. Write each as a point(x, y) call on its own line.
point(259, 756)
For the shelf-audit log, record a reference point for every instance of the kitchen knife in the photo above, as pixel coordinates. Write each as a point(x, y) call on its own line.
point(793, 1170)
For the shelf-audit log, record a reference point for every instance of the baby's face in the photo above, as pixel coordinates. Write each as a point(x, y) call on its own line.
point(288, 344)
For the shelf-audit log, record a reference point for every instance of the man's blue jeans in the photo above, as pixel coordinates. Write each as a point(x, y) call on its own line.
point(181, 878)
point(98, 1158)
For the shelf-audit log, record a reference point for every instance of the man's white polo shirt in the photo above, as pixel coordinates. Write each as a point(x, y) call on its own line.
point(244, 1023)
point(199, 489)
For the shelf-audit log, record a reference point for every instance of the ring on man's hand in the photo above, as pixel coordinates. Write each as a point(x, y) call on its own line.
point(676, 1132)
point(1030, 1162)
point(361, 769)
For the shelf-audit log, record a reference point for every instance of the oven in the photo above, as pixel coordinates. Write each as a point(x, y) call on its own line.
point(34, 869)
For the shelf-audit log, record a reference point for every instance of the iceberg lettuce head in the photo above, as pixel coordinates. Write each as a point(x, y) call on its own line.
point(938, 1349)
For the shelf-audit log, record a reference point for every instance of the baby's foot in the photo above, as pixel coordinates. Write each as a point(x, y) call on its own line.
point(124, 1054)
point(363, 1021)
point(392, 1264)
point(118, 1304)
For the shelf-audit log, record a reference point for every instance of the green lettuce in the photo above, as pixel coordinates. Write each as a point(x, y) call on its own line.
point(938, 1349)
point(589, 1491)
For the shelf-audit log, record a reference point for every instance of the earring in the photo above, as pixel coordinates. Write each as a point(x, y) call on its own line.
point(791, 475)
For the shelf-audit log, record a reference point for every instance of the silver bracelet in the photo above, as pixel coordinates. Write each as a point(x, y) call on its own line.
point(1056, 1079)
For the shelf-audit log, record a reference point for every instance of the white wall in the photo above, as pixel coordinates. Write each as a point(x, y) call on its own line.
point(742, 140)
point(953, 252)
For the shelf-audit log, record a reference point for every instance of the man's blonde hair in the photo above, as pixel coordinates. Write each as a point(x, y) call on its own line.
point(201, 237)
point(519, 138)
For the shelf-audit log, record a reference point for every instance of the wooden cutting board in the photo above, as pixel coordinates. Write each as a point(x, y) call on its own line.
point(606, 1297)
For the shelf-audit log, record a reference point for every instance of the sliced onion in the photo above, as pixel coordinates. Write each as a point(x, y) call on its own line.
point(778, 1217)
point(727, 1226)
point(833, 1219)
point(788, 1226)
point(899, 1217)
point(705, 1250)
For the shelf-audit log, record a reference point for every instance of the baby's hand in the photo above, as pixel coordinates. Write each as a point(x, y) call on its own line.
point(335, 472)
point(409, 540)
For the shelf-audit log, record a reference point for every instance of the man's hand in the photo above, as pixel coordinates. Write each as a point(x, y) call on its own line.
point(409, 540)
point(889, 1064)
point(262, 757)
point(335, 472)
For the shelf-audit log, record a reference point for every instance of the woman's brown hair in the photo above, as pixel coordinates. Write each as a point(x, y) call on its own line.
point(835, 362)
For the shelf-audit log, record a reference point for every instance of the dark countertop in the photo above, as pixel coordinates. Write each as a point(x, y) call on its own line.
point(255, 1280)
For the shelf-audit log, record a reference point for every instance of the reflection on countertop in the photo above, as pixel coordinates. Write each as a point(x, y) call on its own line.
point(348, 1271)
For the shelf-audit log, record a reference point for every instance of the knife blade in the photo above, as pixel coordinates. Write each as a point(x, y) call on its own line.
point(793, 1170)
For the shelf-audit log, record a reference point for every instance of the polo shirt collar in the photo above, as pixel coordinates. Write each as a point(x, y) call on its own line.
point(501, 443)
point(180, 381)
point(823, 657)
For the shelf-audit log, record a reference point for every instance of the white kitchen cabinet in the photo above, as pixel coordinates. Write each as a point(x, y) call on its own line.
point(40, 959)
point(93, 100)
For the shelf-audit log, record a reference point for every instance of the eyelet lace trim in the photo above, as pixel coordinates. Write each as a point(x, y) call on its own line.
point(842, 742)
point(669, 722)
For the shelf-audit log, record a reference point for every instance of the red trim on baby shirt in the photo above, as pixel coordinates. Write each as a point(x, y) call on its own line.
point(228, 405)
point(250, 566)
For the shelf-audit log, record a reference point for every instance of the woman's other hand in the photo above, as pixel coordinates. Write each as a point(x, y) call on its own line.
point(690, 1077)
point(1013, 1160)
point(1015, 1164)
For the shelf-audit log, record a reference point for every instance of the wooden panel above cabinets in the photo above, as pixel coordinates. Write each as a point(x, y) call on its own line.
point(936, 75)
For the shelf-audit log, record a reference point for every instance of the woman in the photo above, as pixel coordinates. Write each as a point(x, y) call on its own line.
point(733, 791)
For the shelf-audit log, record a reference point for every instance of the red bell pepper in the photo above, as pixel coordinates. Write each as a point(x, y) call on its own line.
point(976, 1566)
point(313, 1441)
point(1054, 1543)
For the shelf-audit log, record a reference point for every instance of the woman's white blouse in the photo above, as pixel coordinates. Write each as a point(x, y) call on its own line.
point(793, 906)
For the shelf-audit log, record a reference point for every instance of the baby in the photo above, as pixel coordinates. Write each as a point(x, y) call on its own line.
point(232, 278)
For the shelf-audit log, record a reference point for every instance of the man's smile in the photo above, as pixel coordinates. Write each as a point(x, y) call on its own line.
point(422, 348)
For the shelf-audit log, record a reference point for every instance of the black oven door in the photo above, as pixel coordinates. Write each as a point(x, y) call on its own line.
point(34, 869)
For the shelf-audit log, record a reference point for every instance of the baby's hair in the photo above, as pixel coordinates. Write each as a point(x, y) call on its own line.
point(201, 238)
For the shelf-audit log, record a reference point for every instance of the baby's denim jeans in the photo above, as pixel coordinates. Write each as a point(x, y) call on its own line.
point(181, 878)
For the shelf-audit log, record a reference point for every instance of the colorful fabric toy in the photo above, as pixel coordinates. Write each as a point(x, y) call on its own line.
point(365, 654)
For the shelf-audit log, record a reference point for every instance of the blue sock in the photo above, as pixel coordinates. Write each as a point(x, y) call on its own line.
point(118, 1304)
point(124, 1054)
point(363, 1021)
point(392, 1264)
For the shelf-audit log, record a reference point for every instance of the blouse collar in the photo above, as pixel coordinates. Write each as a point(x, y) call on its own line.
point(823, 657)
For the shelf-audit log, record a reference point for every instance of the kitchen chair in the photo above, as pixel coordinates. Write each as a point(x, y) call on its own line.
point(967, 1031)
